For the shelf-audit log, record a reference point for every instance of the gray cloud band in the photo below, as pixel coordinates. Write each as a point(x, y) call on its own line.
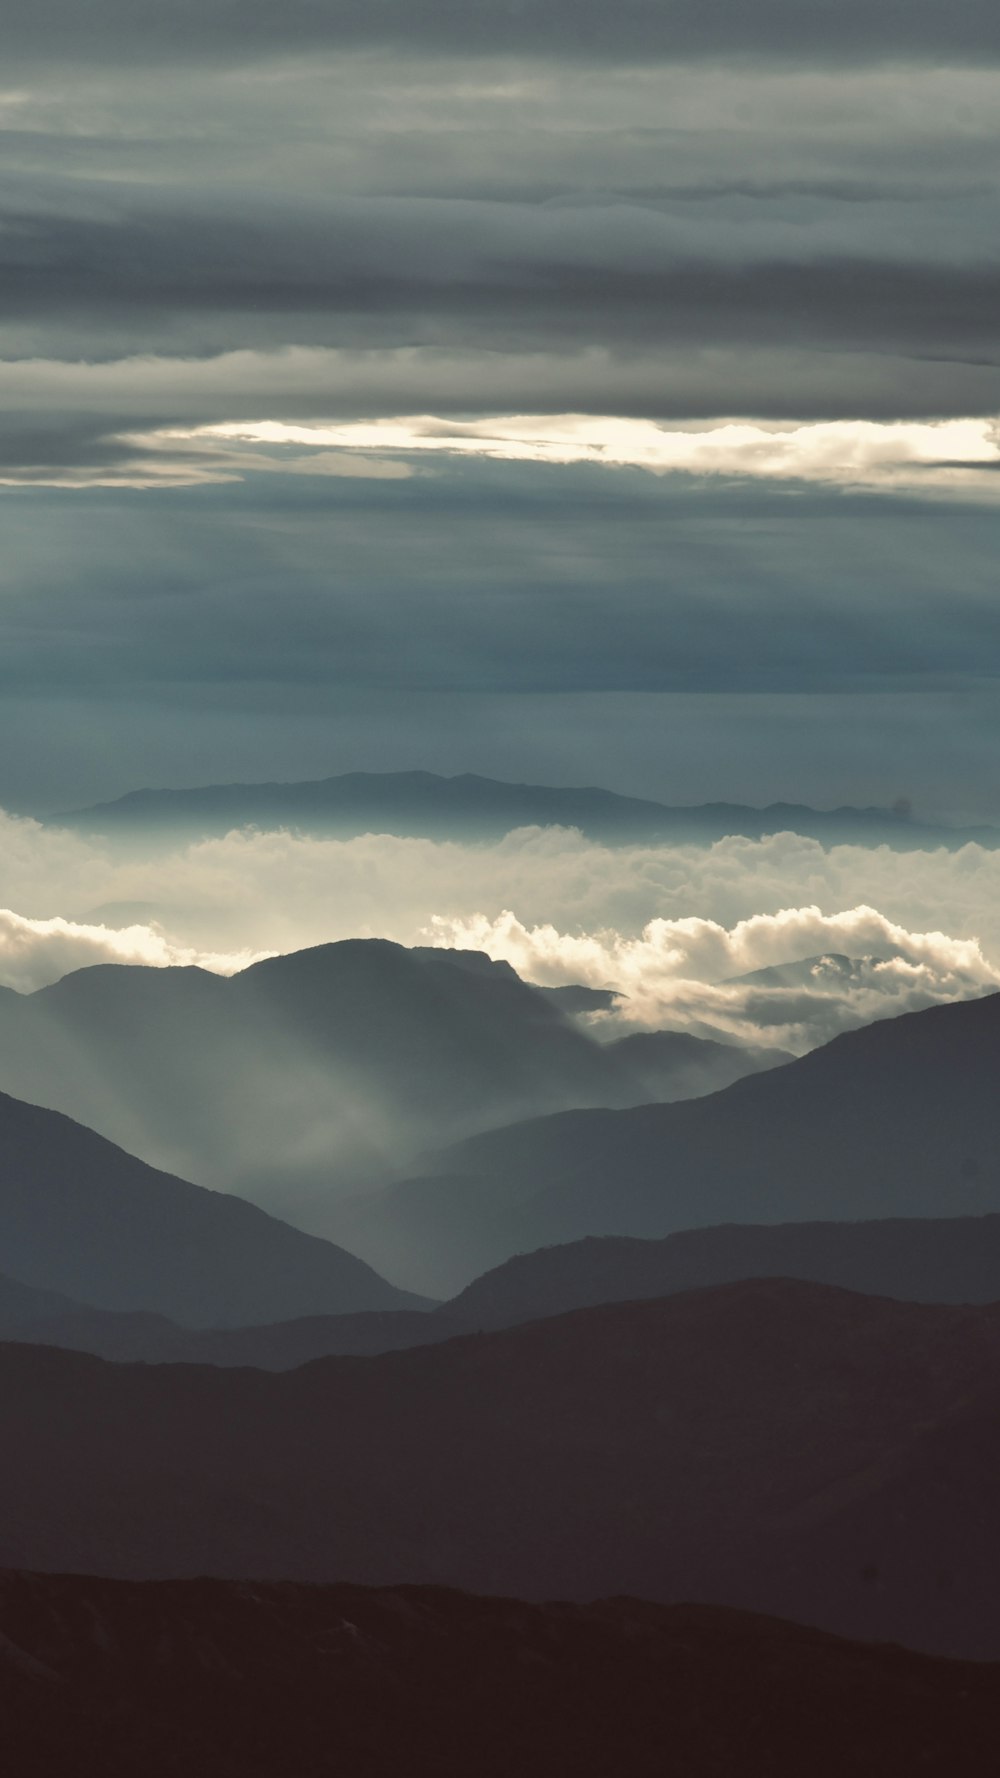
point(232, 31)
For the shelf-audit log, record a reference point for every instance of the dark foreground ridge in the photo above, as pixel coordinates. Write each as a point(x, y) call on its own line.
point(256, 1681)
point(778, 1447)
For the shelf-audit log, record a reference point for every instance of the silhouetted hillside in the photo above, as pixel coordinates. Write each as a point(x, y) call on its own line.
point(80, 1217)
point(901, 1118)
point(323, 1070)
point(933, 1260)
point(776, 1446)
point(473, 808)
point(212, 1677)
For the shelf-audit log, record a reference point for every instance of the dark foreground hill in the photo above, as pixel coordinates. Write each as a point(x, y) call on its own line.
point(932, 1260)
point(82, 1218)
point(900, 1119)
point(182, 1679)
point(328, 1066)
point(468, 807)
point(774, 1446)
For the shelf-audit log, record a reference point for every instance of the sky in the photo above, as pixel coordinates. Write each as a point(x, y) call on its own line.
point(550, 391)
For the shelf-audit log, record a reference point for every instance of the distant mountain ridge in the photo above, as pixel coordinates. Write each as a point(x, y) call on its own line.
point(476, 808)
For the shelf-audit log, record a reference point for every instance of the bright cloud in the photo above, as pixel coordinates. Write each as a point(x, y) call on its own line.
point(679, 973)
point(667, 926)
point(902, 454)
point(36, 952)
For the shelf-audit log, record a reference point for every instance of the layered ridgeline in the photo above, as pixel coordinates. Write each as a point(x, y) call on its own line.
point(243, 1682)
point(901, 1118)
point(946, 1260)
point(81, 1218)
point(473, 808)
point(49, 1318)
point(920, 1260)
point(775, 1446)
point(326, 1069)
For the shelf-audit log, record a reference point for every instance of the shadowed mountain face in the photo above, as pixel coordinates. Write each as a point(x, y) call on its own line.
point(470, 808)
point(899, 1119)
point(940, 1260)
point(324, 1069)
point(253, 1682)
point(775, 1446)
point(80, 1217)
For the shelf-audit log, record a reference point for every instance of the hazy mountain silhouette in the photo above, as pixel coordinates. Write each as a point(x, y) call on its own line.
point(932, 1260)
point(776, 1446)
point(215, 1677)
point(901, 1118)
point(328, 1067)
point(470, 807)
point(80, 1217)
point(947, 1260)
point(41, 1317)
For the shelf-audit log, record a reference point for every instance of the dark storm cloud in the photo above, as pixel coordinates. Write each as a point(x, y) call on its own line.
point(522, 275)
point(338, 212)
point(231, 31)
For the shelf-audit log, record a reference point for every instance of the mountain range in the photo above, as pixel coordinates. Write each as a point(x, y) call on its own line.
point(324, 1070)
point(467, 807)
point(775, 1446)
point(900, 1118)
point(247, 1681)
point(946, 1260)
point(81, 1218)
point(920, 1260)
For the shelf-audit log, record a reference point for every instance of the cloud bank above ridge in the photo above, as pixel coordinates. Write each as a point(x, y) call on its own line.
point(667, 927)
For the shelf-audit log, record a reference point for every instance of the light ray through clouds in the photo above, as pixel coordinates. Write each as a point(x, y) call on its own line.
point(667, 927)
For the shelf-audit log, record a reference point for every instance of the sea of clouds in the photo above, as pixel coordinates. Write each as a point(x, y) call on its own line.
point(672, 929)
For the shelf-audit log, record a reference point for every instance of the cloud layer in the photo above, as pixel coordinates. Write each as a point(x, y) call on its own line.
point(751, 248)
point(667, 927)
point(36, 952)
point(678, 974)
point(234, 31)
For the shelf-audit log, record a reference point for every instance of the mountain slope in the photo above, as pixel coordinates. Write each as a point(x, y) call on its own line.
point(470, 807)
point(81, 1217)
point(901, 1118)
point(937, 1260)
point(323, 1069)
point(765, 1445)
point(239, 1682)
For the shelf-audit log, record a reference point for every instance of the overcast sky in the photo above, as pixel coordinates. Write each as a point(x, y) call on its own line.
point(543, 389)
